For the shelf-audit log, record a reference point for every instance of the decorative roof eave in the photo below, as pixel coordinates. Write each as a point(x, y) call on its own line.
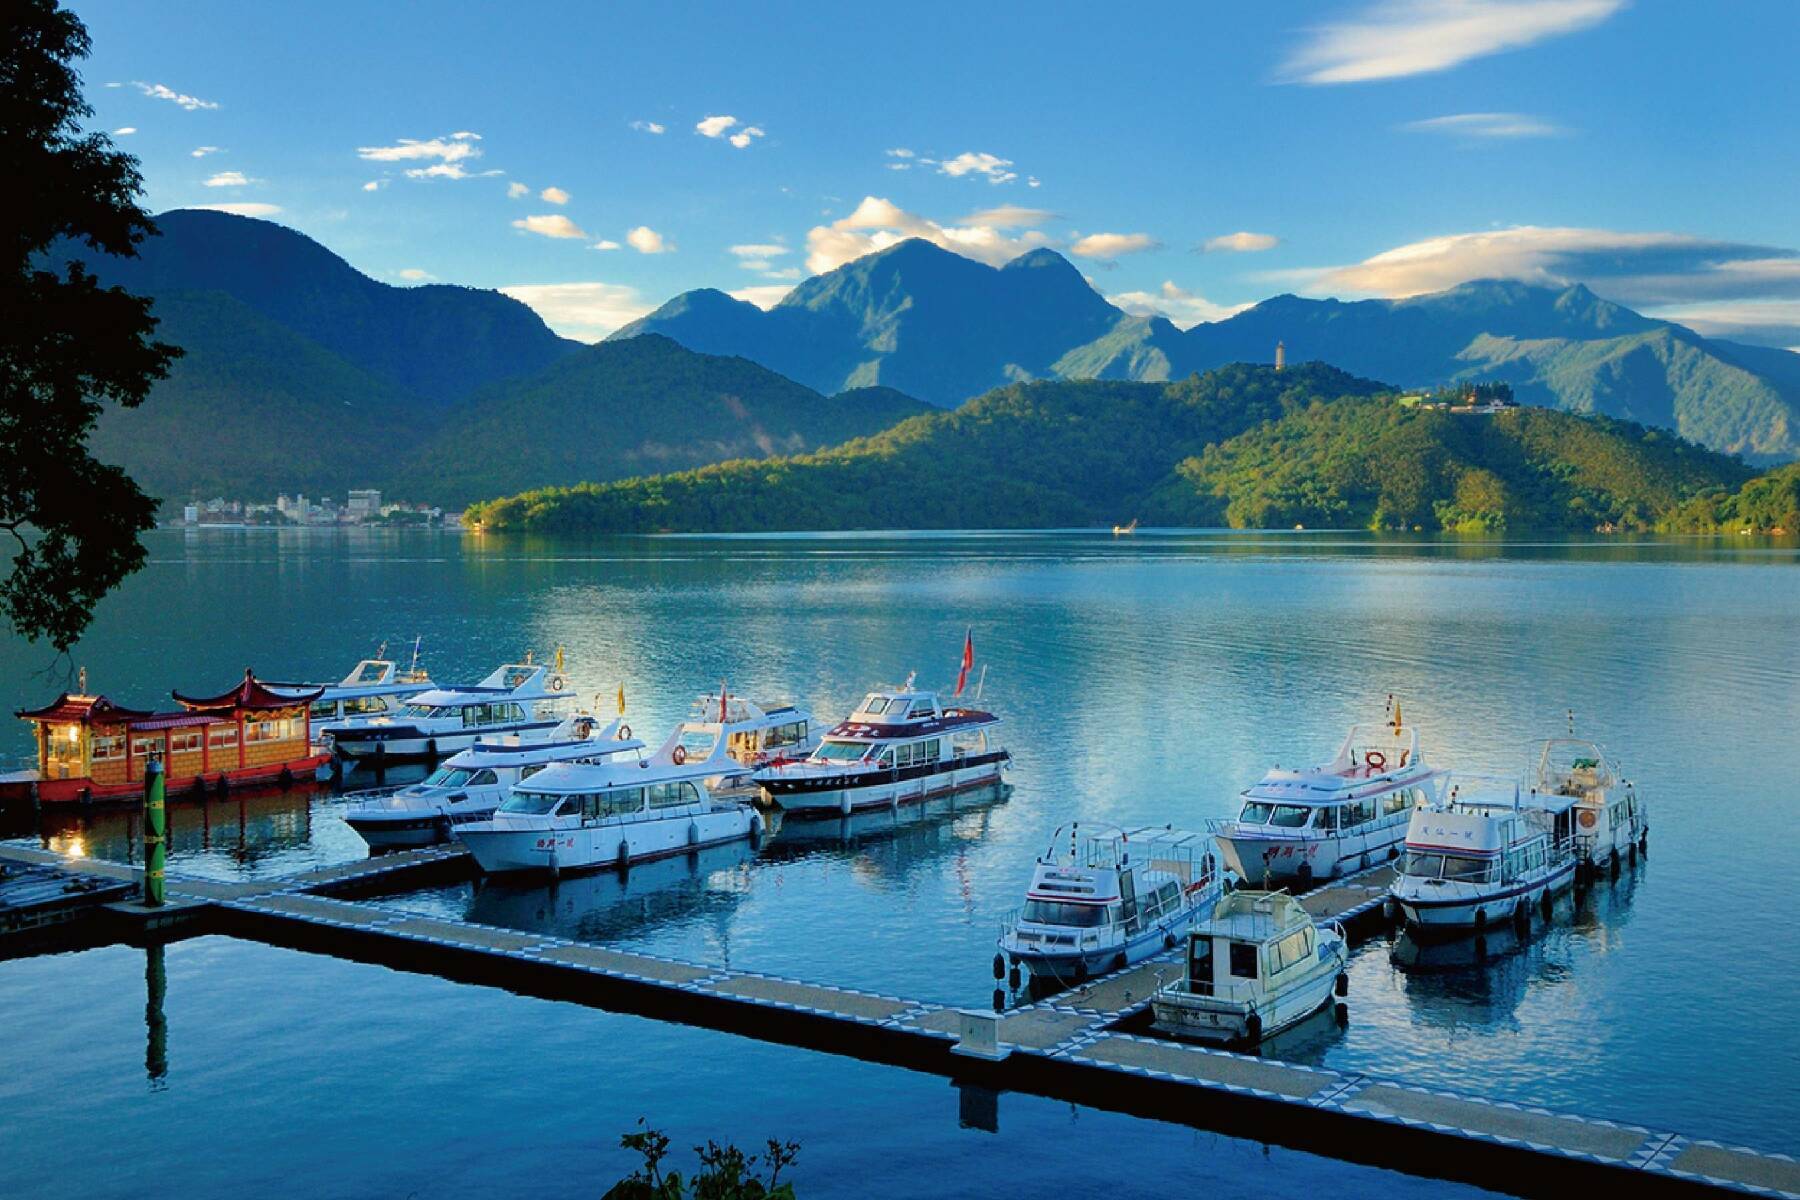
point(86, 709)
point(252, 693)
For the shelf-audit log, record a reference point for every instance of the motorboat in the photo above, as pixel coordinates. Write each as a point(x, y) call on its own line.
point(470, 784)
point(375, 687)
point(1487, 854)
point(1611, 821)
point(754, 734)
point(575, 816)
point(1302, 826)
point(899, 746)
point(1102, 899)
point(525, 700)
point(1256, 966)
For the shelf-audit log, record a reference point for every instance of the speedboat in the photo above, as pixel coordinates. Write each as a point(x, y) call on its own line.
point(898, 747)
point(1611, 820)
point(1101, 900)
point(525, 700)
point(574, 816)
point(471, 783)
point(1486, 854)
point(1256, 966)
point(754, 734)
point(1316, 823)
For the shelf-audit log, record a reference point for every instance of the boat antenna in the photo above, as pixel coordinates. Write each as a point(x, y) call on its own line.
point(980, 683)
point(381, 650)
point(414, 667)
point(908, 685)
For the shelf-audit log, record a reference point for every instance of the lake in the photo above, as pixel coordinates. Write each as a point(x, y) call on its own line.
point(1142, 680)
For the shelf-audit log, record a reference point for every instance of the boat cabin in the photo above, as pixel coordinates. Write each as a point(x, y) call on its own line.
point(512, 694)
point(755, 732)
point(375, 687)
point(1486, 831)
point(1377, 774)
point(902, 729)
point(1253, 944)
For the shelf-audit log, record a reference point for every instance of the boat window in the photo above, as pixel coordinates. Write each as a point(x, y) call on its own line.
point(448, 777)
point(927, 751)
point(531, 804)
point(144, 747)
point(903, 755)
point(887, 757)
point(1200, 965)
point(1393, 802)
point(323, 710)
point(527, 772)
point(1357, 812)
point(1328, 818)
point(618, 802)
point(184, 743)
point(221, 737)
point(697, 743)
point(1256, 813)
point(1467, 869)
point(108, 748)
point(1290, 816)
point(791, 734)
point(672, 795)
point(873, 704)
point(840, 751)
point(483, 778)
point(361, 705)
point(1243, 960)
point(1421, 865)
point(1058, 912)
point(1291, 950)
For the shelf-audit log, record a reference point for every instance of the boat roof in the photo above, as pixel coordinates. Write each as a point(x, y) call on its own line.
point(514, 681)
point(905, 712)
point(250, 693)
point(740, 713)
point(1349, 775)
point(370, 677)
point(1254, 916)
point(1108, 847)
point(563, 745)
point(1561, 755)
point(660, 767)
point(92, 710)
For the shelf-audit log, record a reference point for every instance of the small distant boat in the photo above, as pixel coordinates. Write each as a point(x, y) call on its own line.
point(524, 700)
point(1125, 530)
point(1255, 967)
point(581, 816)
point(472, 783)
point(1485, 855)
point(1316, 823)
point(1611, 820)
point(1101, 900)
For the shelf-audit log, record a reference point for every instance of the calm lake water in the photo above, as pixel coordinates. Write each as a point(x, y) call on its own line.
point(1142, 681)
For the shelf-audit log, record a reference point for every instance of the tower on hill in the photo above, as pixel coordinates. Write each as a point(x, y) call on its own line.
point(1280, 355)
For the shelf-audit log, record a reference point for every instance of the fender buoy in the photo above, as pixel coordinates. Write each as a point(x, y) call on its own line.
point(286, 778)
point(1481, 918)
point(679, 755)
point(1253, 1028)
point(1522, 914)
point(1304, 876)
point(1548, 905)
point(1342, 986)
point(1013, 977)
point(999, 966)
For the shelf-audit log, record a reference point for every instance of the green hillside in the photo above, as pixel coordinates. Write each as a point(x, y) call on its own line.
point(1767, 504)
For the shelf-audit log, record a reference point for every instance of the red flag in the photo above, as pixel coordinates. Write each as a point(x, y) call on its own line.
point(721, 701)
point(968, 660)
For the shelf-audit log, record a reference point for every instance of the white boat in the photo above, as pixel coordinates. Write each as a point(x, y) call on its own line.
point(898, 747)
point(526, 700)
point(375, 687)
point(1317, 823)
point(1256, 966)
point(755, 734)
point(1487, 854)
point(1611, 821)
point(470, 784)
point(1102, 900)
point(579, 816)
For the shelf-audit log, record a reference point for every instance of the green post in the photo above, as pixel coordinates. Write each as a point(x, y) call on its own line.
point(154, 822)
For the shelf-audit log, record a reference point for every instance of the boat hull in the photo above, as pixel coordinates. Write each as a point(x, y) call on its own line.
point(1280, 860)
point(409, 744)
point(86, 791)
point(511, 850)
point(1224, 1022)
point(1470, 908)
point(1048, 962)
point(846, 793)
point(383, 831)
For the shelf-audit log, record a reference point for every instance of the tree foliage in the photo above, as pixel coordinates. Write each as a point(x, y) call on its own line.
point(67, 344)
point(726, 1173)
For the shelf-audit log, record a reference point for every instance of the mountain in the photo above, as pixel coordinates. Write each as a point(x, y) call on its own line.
point(1239, 445)
point(945, 328)
point(639, 407)
point(435, 343)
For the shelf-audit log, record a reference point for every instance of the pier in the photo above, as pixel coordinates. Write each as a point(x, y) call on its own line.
point(1077, 1046)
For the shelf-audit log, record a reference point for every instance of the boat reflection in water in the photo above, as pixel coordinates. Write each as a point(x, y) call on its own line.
point(243, 829)
point(914, 833)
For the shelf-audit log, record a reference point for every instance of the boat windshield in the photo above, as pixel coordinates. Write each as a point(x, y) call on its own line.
point(1060, 912)
point(1286, 816)
point(426, 712)
point(1423, 865)
point(531, 804)
point(449, 777)
point(840, 752)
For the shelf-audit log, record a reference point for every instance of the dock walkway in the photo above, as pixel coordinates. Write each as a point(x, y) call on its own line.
point(1069, 1046)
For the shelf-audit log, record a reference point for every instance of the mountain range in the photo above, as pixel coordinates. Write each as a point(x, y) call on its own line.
point(944, 328)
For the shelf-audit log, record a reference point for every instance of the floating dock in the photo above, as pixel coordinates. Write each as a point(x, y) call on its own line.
point(1075, 1046)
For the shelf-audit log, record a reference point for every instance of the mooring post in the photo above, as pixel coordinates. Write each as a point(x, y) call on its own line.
point(155, 851)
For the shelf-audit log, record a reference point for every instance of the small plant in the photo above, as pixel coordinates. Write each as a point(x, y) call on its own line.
point(725, 1173)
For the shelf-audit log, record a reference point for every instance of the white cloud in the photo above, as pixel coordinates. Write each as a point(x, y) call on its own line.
point(157, 91)
point(901, 152)
point(759, 250)
point(878, 223)
point(587, 311)
point(202, 151)
point(989, 166)
point(553, 195)
point(446, 170)
point(550, 225)
point(450, 152)
point(648, 126)
point(417, 275)
point(1033, 181)
point(604, 244)
point(1009, 216)
point(243, 210)
point(1499, 125)
point(1760, 322)
point(1242, 242)
point(1391, 39)
point(742, 138)
point(374, 185)
point(646, 240)
point(125, 131)
point(517, 191)
point(764, 296)
point(1187, 309)
point(784, 273)
point(1112, 245)
point(228, 179)
point(713, 127)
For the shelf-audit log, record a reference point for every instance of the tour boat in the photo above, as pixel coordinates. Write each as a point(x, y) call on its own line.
point(376, 687)
point(1256, 966)
point(1611, 822)
point(754, 735)
point(471, 783)
point(1486, 854)
point(898, 747)
point(89, 748)
point(578, 816)
point(1316, 823)
point(1101, 900)
point(526, 700)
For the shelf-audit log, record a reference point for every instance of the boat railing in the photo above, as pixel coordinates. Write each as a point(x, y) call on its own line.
point(361, 795)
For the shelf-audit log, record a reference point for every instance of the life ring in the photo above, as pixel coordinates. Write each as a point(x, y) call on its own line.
point(679, 755)
point(1587, 818)
point(624, 734)
point(1376, 760)
point(556, 683)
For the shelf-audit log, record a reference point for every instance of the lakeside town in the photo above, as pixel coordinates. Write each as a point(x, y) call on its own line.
point(362, 506)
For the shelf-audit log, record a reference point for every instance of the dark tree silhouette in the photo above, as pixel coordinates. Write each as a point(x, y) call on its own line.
point(67, 345)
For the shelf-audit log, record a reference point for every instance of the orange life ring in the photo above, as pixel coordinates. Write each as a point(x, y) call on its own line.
point(1376, 760)
point(679, 756)
point(1587, 818)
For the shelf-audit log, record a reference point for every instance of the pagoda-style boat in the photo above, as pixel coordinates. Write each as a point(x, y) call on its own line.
point(89, 748)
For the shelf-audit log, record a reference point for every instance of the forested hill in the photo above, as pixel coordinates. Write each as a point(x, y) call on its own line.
point(1239, 446)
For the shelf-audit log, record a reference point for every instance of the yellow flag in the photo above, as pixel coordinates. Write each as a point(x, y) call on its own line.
point(1396, 716)
point(559, 660)
point(621, 699)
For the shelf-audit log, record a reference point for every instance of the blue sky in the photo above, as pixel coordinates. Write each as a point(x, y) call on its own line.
point(596, 160)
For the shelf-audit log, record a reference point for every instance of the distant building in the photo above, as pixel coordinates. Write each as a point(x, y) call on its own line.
point(362, 503)
point(190, 515)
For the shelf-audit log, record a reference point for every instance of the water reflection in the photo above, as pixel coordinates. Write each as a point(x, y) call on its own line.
point(156, 1025)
